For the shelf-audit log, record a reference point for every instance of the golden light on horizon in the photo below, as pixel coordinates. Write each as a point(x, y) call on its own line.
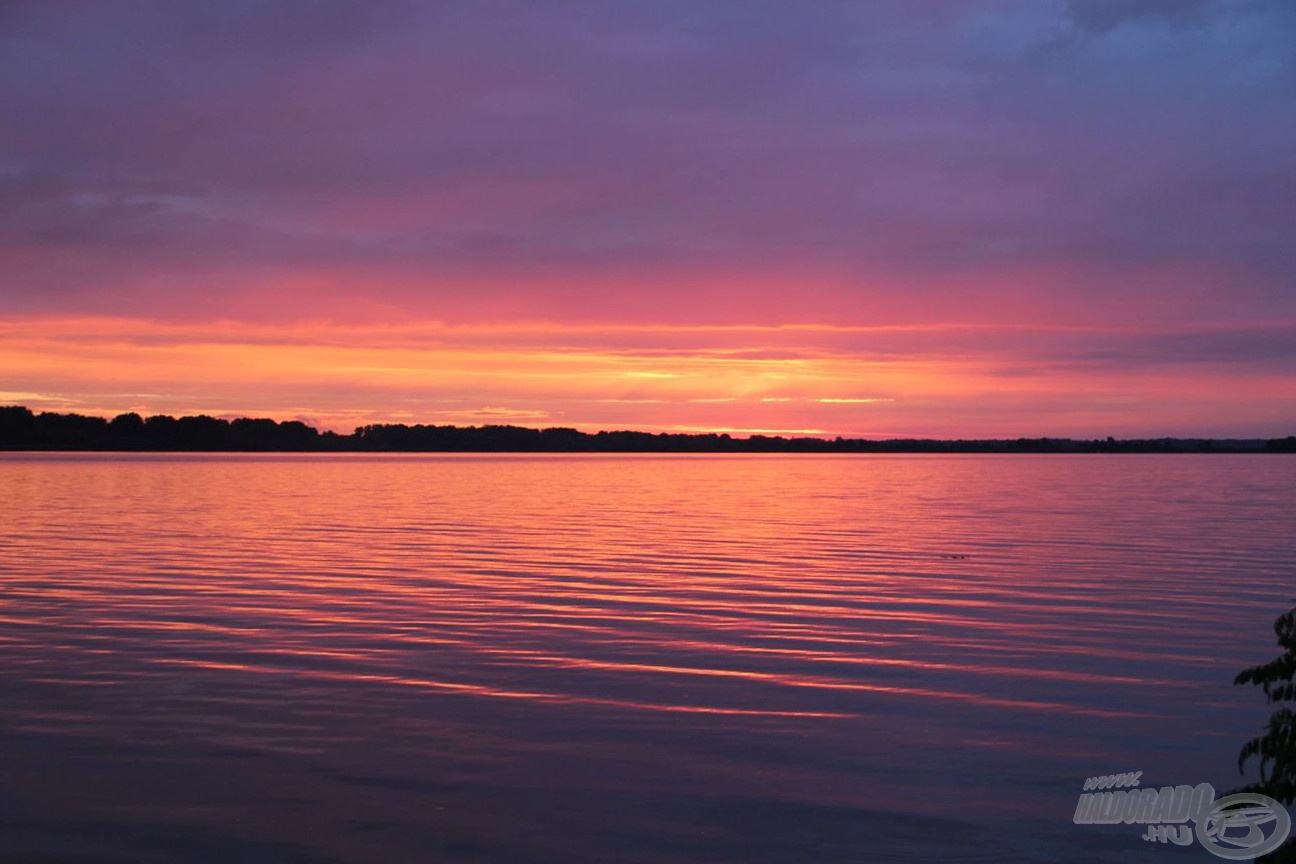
point(806, 380)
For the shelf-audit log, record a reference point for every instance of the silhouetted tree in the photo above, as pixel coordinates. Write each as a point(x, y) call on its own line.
point(17, 427)
point(160, 432)
point(70, 431)
point(127, 431)
point(296, 435)
point(204, 433)
point(562, 439)
point(21, 430)
point(1275, 750)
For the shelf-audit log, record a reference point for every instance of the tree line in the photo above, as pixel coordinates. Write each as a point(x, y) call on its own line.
point(23, 429)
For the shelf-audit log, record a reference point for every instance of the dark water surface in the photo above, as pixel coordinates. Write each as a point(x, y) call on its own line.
point(622, 658)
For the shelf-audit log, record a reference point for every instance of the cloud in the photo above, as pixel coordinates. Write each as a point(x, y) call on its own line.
point(923, 380)
point(1103, 16)
point(1092, 164)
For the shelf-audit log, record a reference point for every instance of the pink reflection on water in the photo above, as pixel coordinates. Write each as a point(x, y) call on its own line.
point(865, 631)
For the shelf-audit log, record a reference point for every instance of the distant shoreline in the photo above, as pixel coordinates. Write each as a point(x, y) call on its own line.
point(22, 429)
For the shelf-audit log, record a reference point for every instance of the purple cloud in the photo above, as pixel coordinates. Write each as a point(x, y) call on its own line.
point(1103, 158)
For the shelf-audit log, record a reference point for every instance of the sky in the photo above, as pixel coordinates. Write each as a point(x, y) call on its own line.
point(899, 218)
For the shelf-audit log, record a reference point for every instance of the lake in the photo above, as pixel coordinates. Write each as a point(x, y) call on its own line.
point(644, 658)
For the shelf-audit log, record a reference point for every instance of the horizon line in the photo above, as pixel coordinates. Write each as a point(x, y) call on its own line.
point(718, 434)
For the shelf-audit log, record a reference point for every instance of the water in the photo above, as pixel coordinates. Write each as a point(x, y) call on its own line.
point(647, 658)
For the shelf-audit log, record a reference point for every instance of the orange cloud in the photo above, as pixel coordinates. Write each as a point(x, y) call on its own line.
point(941, 381)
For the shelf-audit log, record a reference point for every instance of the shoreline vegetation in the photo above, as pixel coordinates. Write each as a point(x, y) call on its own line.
point(22, 429)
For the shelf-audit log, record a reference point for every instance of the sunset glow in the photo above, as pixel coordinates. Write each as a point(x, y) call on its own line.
point(943, 381)
point(883, 220)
